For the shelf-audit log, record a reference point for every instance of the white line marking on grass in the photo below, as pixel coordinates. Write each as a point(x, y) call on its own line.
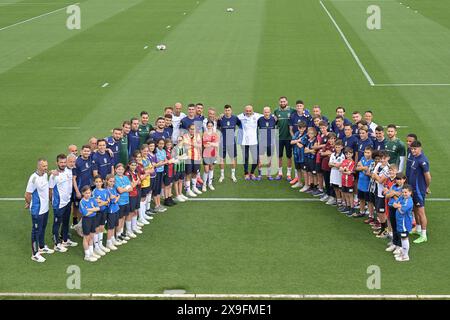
point(105, 85)
point(34, 18)
point(253, 199)
point(224, 296)
point(412, 85)
point(366, 74)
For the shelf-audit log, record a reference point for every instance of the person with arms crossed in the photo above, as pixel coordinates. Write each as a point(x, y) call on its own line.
point(403, 215)
point(266, 141)
point(210, 144)
point(89, 209)
point(134, 139)
point(283, 116)
point(113, 145)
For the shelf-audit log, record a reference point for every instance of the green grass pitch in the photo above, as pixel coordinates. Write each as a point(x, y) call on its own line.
point(51, 95)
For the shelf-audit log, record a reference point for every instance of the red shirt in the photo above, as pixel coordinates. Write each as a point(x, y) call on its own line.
point(209, 152)
point(326, 159)
point(133, 178)
point(348, 179)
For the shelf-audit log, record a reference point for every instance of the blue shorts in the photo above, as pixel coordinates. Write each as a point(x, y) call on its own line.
point(230, 149)
point(418, 198)
point(88, 225)
point(124, 210)
point(178, 176)
point(112, 220)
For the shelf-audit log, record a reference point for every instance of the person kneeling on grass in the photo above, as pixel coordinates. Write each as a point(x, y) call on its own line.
point(403, 215)
point(89, 209)
point(101, 195)
point(112, 216)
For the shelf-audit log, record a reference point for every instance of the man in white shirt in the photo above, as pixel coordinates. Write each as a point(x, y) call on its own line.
point(248, 139)
point(61, 185)
point(211, 117)
point(368, 116)
point(177, 116)
point(37, 200)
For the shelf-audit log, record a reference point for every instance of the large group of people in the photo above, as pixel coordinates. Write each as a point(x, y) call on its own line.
point(115, 185)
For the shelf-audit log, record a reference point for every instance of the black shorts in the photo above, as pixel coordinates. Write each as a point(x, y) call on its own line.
point(192, 167)
point(380, 205)
point(88, 225)
point(167, 180)
point(347, 189)
point(75, 200)
point(101, 218)
point(157, 184)
point(267, 151)
point(285, 144)
point(364, 196)
point(112, 220)
point(336, 186)
point(135, 203)
point(311, 165)
point(298, 166)
point(318, 167)
point(403, 234)
point(229, 149)
point(178, 176)
point(145, 191)
point(124, 210)
point(372, 198)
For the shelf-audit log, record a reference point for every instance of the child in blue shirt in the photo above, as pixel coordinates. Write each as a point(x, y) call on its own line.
point(112, 216)
point(101, 195)
point(404, 206)
point(88, 208)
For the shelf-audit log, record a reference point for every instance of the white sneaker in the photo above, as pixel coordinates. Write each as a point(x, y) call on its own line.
point(397, 251)
point(147, 217)
point(111, 247)
point(304, 189)
point(144, 222)
point(38, 258)
point(196, 190)
point(233, 178)
point(95, 255)
point(391, 248)
point(131, 235)
point(99, 252)
point(117, 242)
point(211, 187)
point(137, 231)
point(139, 224)
point(402, 258)
point(179, 198)
point(296, 185)
point(184, 197)
point(331, 201)
point(46, 250)
point(190, 193)
point(90, 258)
point(60, 248)
point(221, 179)
point(325, 198)
point(203, 188)
point(103, 248)
point(69, 243)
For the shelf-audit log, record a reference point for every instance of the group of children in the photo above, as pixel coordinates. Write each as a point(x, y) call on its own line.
point(329, 170)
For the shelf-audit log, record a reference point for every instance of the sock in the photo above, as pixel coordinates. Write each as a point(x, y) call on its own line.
point(405, 246)
point(418, 228)
point(100, 239)
point(289, 171)
point(108, 242)
point(296, 174)
point(233, 172)
point(134, 223)
point(222, 172)
point(383, 226)
point(211, 176)
point(74, 220)
point(87, 253)
point(205, 178)
point(91, 250)
point(142, 211)
point(148, 201)
point(96, 240)
point(424, 233)
point(128, 224)
point(187, 184)
point(280, 171)
point(194, 183)
point(268, 171)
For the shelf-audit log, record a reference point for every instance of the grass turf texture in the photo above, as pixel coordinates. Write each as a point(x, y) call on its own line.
point(261, 51)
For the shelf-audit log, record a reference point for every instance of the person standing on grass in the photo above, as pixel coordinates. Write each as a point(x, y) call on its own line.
point(347, 170)
point(180, 156)
point(211, 117)
point(420, 180)
point(340, 113)
point(227, 124)
point(169, 173)
point(89, 209)
point(134, 139)
point(283, 115)
point(368, 116)
point(60, 184)
point(100, 195)
point(131, 220)
point(325, 154)
point(379, 143)
point(124, 187)
point(113, 145)
point(192, 141)
point(380, 174)
point(363, 142)
point(157, 182)
point(123, 144)
point(349, 139)
point(363, 182)
point(266, 141)
point(168, 126)
point(144, 128)
point(403, 215)
point(248, 139)
point(395, 147)
point(210, 144)
point(160, 130)
point(310, 161)
point(146, 189)
point(339, 127)
point(336, 159)
point(37, 200)
point(356, 118)
point(316, 111)
point(112, 216)
point(299, 141)
point(410, 138)
point(71, 161)
point(72, 149)
point(102, 162)
point(392, 195)
point(93, 144)
point(177, 116)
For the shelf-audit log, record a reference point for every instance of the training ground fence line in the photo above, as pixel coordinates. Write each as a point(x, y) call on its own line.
point(226, 296)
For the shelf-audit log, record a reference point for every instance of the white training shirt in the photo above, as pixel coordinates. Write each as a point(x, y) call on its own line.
point(205, 121)
point(176, 121)
point(38, 187)
point(248, 135)
point(62, 188)
point(381, 172)
point(336, 175)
